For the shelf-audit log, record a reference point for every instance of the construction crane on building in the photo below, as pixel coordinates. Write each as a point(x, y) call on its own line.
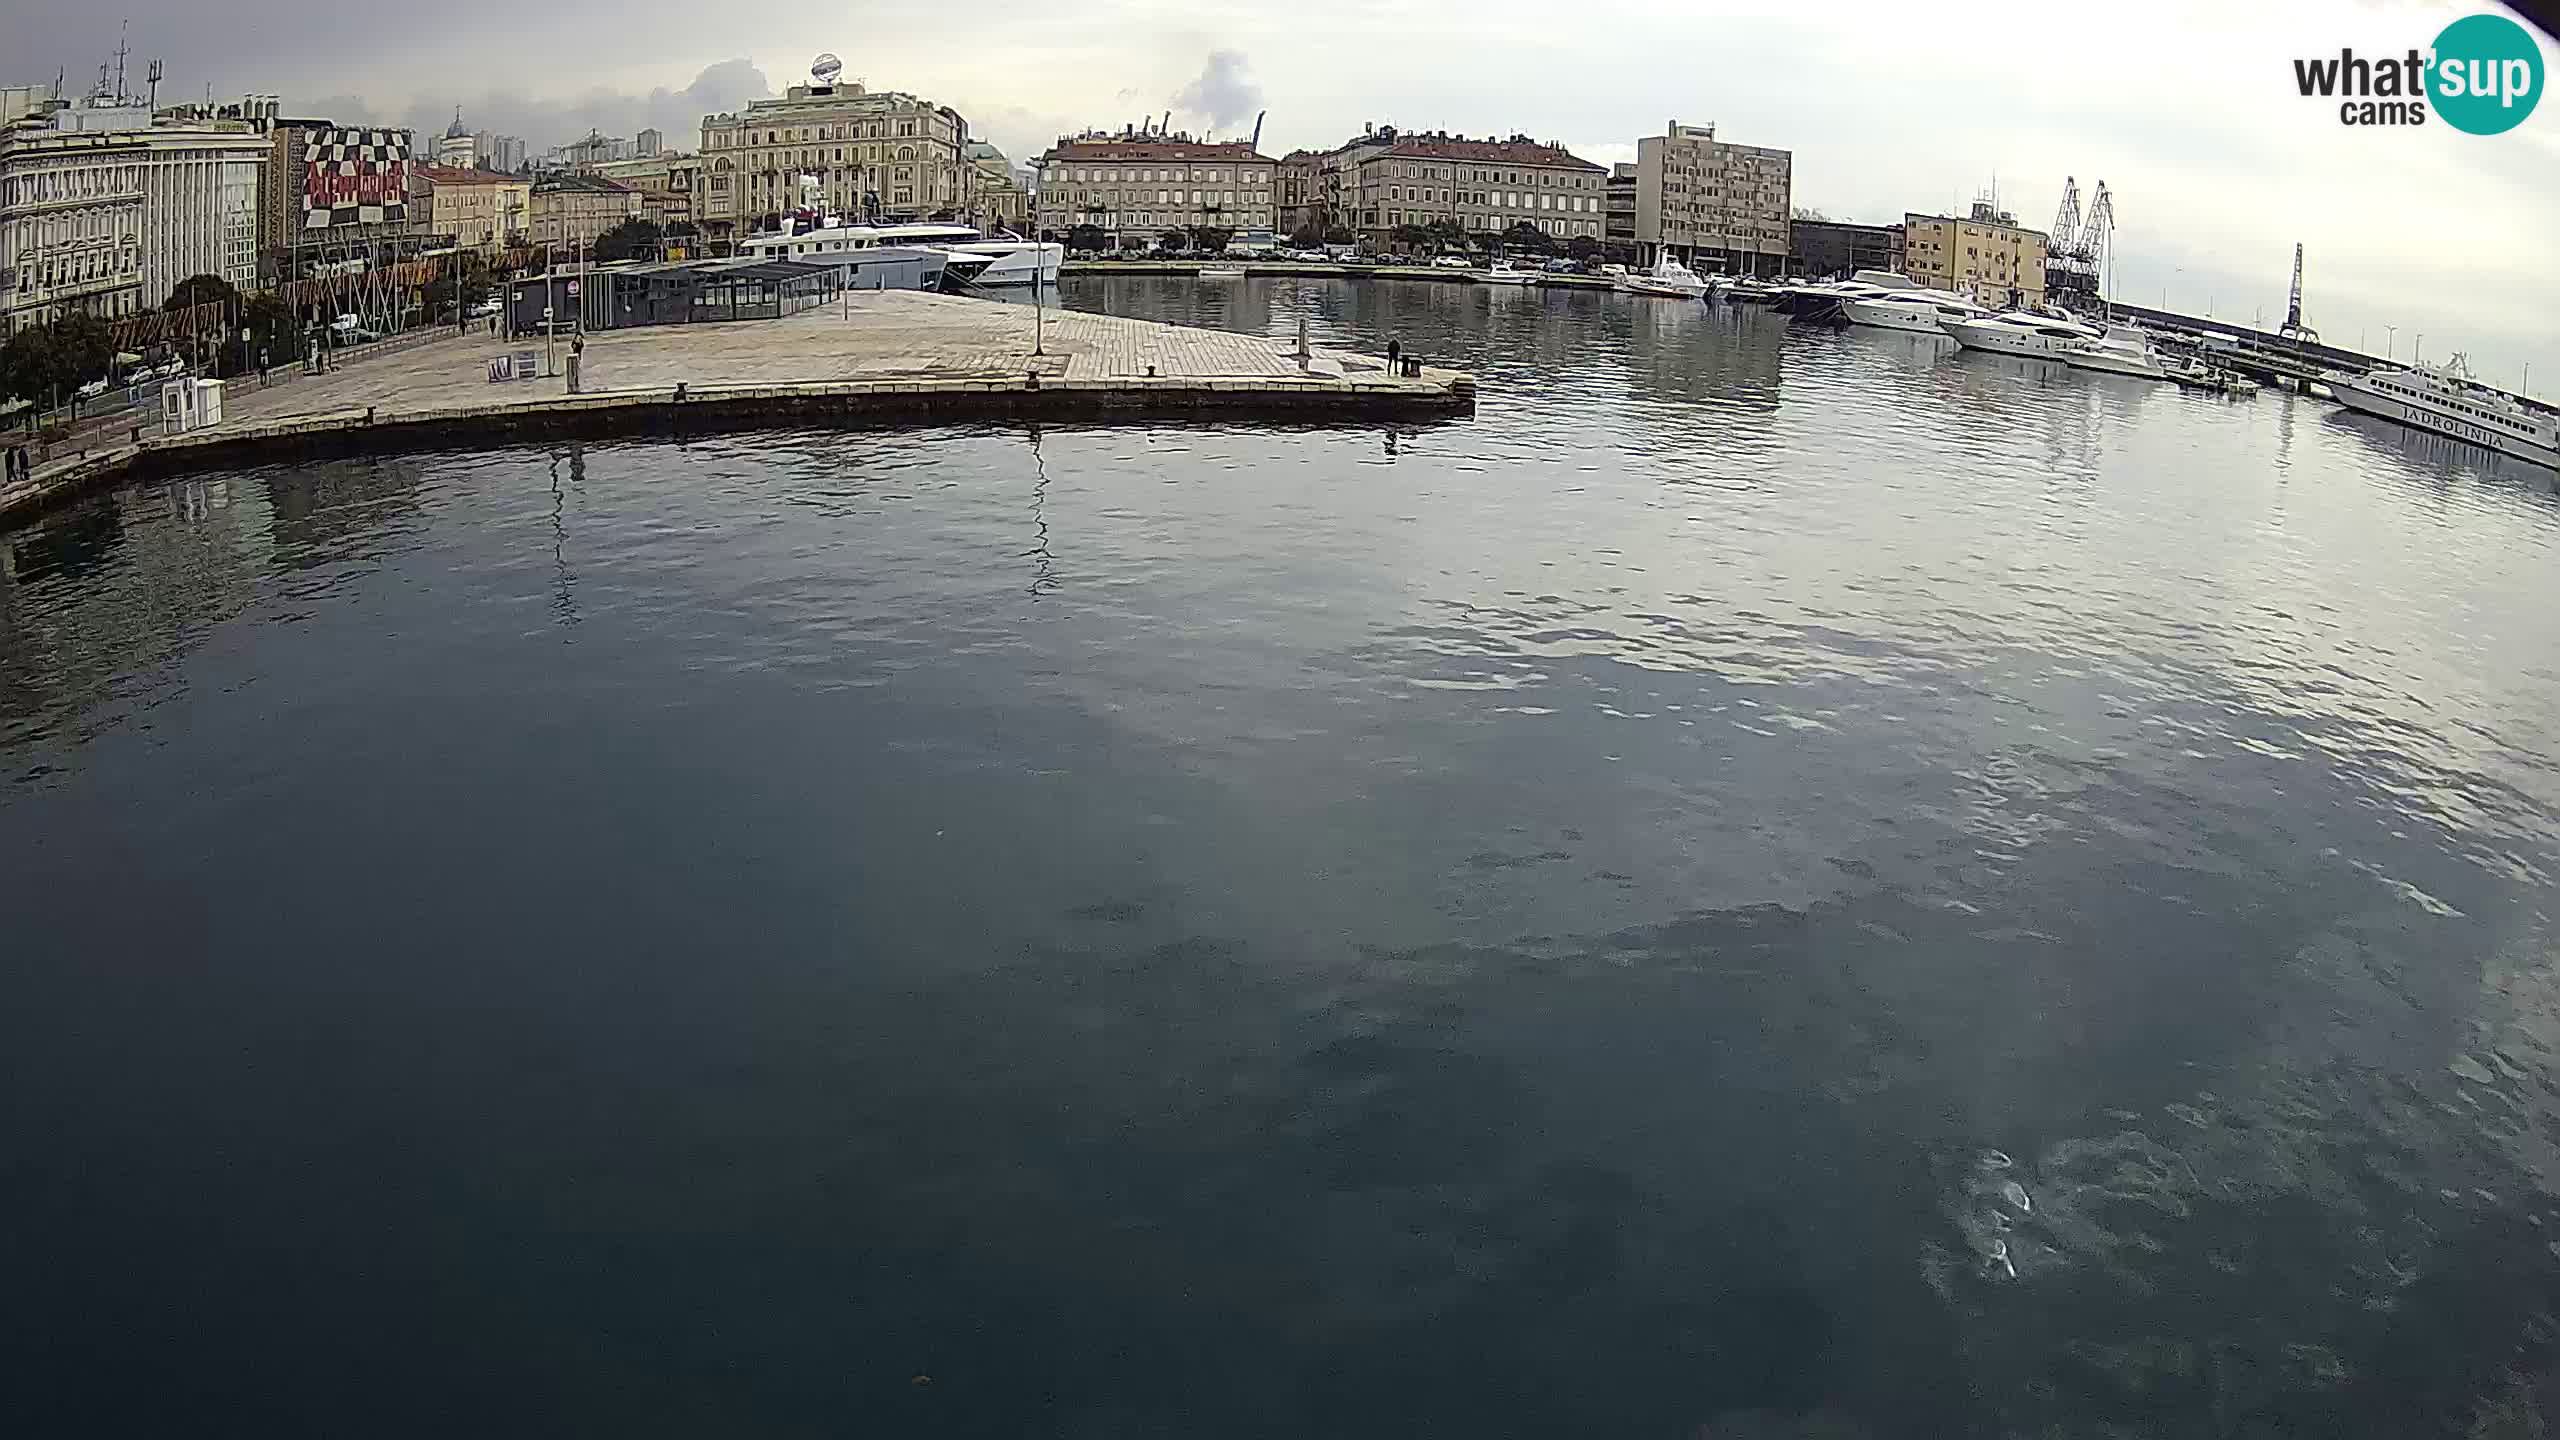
point(2293, 329)
point(1257, 131)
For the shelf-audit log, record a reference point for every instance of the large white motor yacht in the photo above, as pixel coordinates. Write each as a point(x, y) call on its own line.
point(1668, 277)
point(1923, 311)
point(2019, 332)
point(1008, 260)
point(2122, 350)
point(2445, 400)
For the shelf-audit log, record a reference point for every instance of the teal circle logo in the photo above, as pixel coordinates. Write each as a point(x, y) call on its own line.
point(2486, 74)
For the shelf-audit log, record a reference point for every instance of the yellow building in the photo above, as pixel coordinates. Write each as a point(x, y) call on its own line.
point(1987, 255)
point(481, 210)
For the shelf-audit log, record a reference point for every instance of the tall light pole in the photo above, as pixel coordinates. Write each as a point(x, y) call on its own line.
point(2390, 342)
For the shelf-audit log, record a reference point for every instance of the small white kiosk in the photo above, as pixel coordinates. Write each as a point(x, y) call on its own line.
point(190, 404)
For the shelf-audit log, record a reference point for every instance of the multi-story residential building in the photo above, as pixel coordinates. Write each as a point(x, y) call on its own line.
point(595, 149)
point(648, 143)
point(104, 208)
point(1143, 184)
point(1486, 186)
point(1712, 204)
point(1987, 255)
point(500, 152)
point(570, 211)
point(869, 152)
point(1298, 191)
point(1619, 232)
point(1823, 248)
point(663, 181)
point(481, 209)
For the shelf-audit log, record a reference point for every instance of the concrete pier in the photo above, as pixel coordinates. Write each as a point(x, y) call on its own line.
point(875, 358)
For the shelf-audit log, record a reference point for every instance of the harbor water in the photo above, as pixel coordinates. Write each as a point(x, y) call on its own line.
point(1769, 883)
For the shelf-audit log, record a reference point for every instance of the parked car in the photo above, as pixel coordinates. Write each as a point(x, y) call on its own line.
point(169, 369)
point(1562, 267)
point(93, 389)
point(1452, 262)
point(486, 307)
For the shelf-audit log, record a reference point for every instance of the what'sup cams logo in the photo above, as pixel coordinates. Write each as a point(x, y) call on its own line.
point(2482, 76)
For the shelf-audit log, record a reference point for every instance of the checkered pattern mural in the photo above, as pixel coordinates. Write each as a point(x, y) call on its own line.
point(355, 177)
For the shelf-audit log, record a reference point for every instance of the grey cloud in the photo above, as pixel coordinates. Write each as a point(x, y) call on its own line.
point(1222, 96)
point(547, 122)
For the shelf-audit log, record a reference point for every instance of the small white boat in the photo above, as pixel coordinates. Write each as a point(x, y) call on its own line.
point(2196, 374)
point(1923, 312)
point(2122, 350)
point(2020, 332)
point(1503, 272)
point(1668, 278)
point(2445, 400)
point(1220, 272)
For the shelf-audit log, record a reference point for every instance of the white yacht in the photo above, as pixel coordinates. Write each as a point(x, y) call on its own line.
point(2445, 400)
point(1923, 311)
point(1503, 272)
point(2019, 332)
point(1008, 260)
point(1668, 278)
point(2122, 350)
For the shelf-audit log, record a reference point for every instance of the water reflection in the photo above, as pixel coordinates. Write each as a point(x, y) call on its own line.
point(1770, 883)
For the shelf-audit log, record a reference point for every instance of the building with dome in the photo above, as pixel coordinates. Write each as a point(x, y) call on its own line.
point(861, 152)
point(459, 148)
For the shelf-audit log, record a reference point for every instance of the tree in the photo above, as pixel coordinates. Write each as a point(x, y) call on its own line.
point(1210, 239)
point(27, 366)
point(1528, 239)
point(1584, 248)
point(83, 346)
point(1446, 234)
point(1088, 237)
point(1337, 235)
point(272, 329)
point(1172, 241)
point(1410, 237)
point(1306, 237)
point(1132, 243)
point(630, 240)
point(1807, 212)
point(202, 290)
point(462, 284)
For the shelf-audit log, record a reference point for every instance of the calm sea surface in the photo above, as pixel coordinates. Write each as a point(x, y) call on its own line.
point(1767, 884)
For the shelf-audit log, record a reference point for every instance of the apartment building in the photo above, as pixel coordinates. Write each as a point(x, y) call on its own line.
point(570, 211)
point(1713, 205)
point(1987, 255)
point(866, 152)
point(1144, 184)
point(480, 209)
point(1486, 186)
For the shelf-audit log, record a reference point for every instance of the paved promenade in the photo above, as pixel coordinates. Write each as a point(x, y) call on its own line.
point(885, 356)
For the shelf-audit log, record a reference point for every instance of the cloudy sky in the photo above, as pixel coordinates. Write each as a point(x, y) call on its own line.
point(2186, 109)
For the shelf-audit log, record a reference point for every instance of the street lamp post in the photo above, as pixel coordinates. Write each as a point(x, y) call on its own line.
point(2390, 342)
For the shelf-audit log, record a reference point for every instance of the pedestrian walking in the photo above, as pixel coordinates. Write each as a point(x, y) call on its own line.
point(1395, 352)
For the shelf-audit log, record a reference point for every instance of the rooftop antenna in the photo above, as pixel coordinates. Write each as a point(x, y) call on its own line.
point(121, 51)
point(152, 73)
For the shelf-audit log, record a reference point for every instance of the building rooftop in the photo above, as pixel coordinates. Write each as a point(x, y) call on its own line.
point(595, 183)
point(1518, 150)
point(461, 175)
point(1081, 148)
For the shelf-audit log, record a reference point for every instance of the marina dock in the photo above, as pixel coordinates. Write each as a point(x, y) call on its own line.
point(887, 357)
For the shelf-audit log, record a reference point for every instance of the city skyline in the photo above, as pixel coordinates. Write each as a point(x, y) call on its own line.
point(2409, 231)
